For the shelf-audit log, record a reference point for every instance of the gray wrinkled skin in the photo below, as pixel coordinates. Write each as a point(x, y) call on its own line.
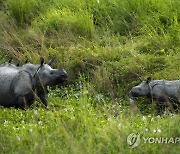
point(162, 91)
point(46, 76)
point(15, 86)
point(20, 85)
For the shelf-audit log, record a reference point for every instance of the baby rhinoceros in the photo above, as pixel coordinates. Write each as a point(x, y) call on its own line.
point(20, 86)
point(164, 93)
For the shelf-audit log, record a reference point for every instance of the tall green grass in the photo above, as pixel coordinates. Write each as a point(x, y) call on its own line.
point(22, 11)
point(107, 41)
point(66, 21)
point(73, 124)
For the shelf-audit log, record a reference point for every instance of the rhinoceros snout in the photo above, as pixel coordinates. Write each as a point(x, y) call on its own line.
point(133, 93)
point(63, 75)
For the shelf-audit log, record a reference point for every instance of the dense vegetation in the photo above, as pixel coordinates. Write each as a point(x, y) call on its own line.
point(104, 45)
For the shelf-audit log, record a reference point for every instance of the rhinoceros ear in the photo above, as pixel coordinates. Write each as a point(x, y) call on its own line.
point(10, 60)
point(51, 61)
point(148, 79)
point(27, 60)
point(42, 61)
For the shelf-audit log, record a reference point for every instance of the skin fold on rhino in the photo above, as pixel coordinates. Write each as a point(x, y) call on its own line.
point(164, 93)
point(15, 86)
point(22, 85)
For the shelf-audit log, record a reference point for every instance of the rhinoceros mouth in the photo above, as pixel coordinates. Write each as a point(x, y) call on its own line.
point(60, 80)
point(135, 94)
point(63, 78)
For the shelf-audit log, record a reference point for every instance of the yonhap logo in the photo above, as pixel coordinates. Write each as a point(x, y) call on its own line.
point(133, 140)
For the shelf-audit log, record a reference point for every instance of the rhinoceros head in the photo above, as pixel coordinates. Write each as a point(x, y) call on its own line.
point(141, 90)
point(46, 74)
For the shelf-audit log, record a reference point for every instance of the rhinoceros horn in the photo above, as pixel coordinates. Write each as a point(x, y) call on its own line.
point(51, 61)
point(41, 64)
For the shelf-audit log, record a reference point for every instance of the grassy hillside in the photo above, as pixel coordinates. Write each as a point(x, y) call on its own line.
point(104, 45)
point(107, 41)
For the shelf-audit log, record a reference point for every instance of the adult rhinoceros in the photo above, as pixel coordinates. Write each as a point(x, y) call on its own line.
point(20, 85)
point(163, 92)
